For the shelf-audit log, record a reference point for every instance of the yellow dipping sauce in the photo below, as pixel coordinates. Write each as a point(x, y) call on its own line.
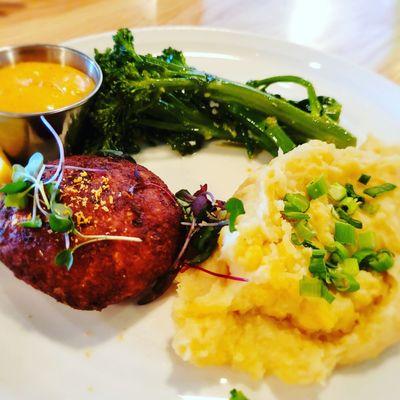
point(29, 87)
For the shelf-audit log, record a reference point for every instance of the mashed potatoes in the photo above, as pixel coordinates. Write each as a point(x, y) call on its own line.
point(265, 326)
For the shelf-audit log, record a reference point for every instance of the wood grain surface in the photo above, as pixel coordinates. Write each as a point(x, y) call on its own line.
point(366, 32)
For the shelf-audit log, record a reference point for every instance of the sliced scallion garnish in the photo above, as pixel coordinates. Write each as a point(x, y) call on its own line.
point(349, 205)
point(346, 217)
point(310, 286)
point(382, 261)
point(344, 282)
point(296, 202)
point(380, 189)
point(318, 267)
point(370, 208)
point(345, 233)
point(317, 188)
point(350, 266)
point(295, 215)
point(367, 240)
point(303, 231)
point(314, 287)
point(337, 192)
point(351, 193)
point(364, 179)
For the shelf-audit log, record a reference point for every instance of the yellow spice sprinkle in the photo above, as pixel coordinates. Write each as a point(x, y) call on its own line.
point(97, 193)
point(110, 199)
point(81, 219)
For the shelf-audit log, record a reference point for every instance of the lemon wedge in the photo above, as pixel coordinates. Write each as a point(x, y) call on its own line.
point(5, 169)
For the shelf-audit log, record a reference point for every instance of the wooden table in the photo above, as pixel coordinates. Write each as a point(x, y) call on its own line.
point(364, 31)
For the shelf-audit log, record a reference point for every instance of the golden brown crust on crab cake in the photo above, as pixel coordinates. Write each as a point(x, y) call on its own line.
point(121, 198)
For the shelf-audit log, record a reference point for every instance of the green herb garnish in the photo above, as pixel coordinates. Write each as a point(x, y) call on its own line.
point(345, 233)
point(237, 395)
point(335, 267)
point(379, 190)
point(367, 240)
point(337, 192)
point(235, 208)
point(364, 179)
point(317, 188)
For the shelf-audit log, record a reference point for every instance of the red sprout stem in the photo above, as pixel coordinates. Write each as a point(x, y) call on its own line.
point(218, 275)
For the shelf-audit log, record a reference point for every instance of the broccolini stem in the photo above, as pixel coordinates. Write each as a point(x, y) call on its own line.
point(312, 95)
point(311, 126)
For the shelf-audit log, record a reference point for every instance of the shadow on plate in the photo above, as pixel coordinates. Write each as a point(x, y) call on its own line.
point(366, 366)
point(32, 310)
point(222, 379)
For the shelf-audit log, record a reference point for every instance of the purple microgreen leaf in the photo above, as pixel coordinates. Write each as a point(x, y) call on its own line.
point(200, 205)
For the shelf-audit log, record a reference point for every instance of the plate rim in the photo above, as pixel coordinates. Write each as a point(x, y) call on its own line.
point(359, 68)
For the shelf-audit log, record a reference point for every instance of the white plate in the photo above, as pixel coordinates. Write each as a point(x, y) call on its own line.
point(49, 351)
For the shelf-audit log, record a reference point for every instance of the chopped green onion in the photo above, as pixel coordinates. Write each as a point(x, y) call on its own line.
point(364, 179)
point(310, 286)
point(362, 255)
point(370, 209)
point(307, 243)
point(350, 266)
point(378, 190)
point(318, 267)
point(345, 217)
point(295, 215)
point(318, 253)
point(351, 193)
point(366, 240)
point(345, 233)
point(296, 202)
point(339, 249)
point(345, 282)
point(295, 239)
point(337, 192)
point(314, 287)
point(383, 261)
point(326, 294)
point(317, 188)
point(349, 205)
point(303, 231)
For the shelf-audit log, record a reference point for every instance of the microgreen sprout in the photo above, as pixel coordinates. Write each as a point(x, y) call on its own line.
point(27, 182)
point(204, 217)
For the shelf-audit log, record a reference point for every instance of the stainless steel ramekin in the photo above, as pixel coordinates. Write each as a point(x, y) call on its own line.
point(21, 134)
